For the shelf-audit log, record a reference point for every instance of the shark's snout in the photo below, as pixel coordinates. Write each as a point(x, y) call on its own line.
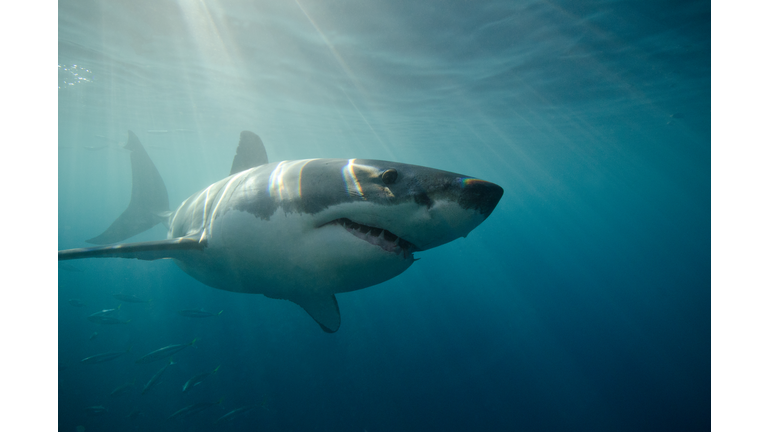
point(480, 195)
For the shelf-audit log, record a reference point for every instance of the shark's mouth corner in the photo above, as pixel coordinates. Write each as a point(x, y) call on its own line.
point(377, 237)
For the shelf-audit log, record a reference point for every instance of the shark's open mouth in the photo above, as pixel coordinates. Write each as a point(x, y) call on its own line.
point(377, 236)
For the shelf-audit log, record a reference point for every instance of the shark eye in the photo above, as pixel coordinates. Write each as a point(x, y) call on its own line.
point(389, 176)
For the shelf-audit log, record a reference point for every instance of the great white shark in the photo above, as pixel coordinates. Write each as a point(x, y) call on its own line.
point(302, 230)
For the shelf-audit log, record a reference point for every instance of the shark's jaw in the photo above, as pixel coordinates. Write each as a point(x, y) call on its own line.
point(380, 237)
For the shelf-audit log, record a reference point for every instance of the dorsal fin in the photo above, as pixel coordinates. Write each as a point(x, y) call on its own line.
point(250, 153)
point(149, 198)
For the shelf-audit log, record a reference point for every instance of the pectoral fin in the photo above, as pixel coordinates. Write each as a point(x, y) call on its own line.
point(324, 309)
point(152, 250)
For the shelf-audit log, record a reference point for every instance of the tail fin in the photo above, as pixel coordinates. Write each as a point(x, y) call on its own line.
point(149, 198)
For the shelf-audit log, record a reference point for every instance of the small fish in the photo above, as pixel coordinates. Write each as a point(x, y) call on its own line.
point(94, 148)
point(106, 316)
point(101, 358)
point(235, 413)
point(130, 298)
point(156, 378)
point(93, 411)
point(674, 117)
point(123, 389)
point(133, 415)
point(164, 352)
point(198, 313)
point(76, 302)
point(197, 379)
point(101, 319)
point(103, 312)
point(93, 336)
point(157, 131)
point(106, 312)
point(191, 410)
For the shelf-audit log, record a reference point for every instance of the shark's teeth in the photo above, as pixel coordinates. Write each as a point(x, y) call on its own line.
point(377, 236)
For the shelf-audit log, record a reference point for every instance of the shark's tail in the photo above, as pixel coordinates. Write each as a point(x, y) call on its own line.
point(149, 198)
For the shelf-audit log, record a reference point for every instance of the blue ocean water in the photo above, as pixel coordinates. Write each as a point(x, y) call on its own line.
point(582, 303)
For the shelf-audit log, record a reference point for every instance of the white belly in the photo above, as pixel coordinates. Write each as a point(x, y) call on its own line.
point(287, 256)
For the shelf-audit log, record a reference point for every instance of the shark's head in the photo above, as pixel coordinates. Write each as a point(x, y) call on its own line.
point(399, 207)
point(354, 223)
